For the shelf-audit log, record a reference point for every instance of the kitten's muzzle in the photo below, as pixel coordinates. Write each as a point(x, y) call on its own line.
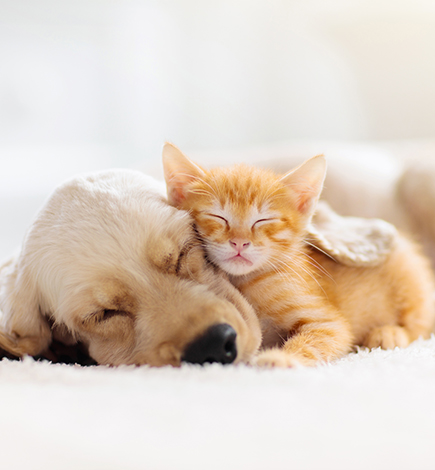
point(217, 344)
point(239, 244)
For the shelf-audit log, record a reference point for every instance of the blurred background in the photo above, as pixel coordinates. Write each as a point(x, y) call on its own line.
point(89, 84)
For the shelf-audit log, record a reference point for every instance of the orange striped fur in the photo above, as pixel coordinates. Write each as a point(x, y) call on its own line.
point(253, 224)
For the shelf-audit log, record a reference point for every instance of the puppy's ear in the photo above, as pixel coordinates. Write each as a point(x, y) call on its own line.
point(179, 172)
point(23, 328)
point(352, 241)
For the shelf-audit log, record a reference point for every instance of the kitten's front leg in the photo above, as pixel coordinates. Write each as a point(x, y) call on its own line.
point(311, 340)
point(277, 357)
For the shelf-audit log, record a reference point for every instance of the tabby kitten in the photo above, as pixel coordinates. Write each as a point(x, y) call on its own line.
point(253, 224)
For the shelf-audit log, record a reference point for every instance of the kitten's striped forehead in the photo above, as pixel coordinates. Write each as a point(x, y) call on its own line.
point(244, 188)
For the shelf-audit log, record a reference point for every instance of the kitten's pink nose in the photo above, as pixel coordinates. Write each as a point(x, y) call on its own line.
point(239, 244)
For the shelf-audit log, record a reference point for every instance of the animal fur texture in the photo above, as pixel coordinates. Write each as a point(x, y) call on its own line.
point(108, 262)
point(254, 225)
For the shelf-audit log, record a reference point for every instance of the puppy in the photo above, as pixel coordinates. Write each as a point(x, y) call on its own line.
point(109, 263)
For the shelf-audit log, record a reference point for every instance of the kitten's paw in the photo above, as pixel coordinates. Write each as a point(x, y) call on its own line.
point(277, 358)
point(387, 337)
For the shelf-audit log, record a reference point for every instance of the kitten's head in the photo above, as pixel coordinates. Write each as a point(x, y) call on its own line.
point(248, 218)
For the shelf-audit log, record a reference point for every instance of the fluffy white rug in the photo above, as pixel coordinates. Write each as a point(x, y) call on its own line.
point(368, 410)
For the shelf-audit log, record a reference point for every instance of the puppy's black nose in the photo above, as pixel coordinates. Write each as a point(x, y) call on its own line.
point(217, 344)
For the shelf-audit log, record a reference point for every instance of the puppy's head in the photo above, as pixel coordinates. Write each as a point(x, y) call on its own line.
point(119, 268)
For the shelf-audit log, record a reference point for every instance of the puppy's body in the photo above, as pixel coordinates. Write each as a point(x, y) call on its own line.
point(114, 266)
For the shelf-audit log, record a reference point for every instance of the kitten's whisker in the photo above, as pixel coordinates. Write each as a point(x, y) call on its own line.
point(298, 264)
point(201, 192)
point(275, 267)
point(322, 270)
point(293, 271)
point(282, 274)
point(316, 264)
point(319, 249)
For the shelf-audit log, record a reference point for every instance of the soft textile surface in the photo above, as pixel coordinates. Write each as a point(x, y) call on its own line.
point(368, 410)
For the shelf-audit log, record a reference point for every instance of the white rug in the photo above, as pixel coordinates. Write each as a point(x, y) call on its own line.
point(369, 410)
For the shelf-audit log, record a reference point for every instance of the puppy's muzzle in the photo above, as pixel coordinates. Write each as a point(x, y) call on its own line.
point(217, 344)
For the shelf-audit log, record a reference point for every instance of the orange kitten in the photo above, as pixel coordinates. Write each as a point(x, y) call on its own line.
point(254, 226)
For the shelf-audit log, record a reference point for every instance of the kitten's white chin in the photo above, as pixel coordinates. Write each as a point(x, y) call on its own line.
point(234, 264)
point(237, 266)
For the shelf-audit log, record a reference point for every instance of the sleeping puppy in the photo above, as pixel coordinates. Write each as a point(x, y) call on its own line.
point(109, 263)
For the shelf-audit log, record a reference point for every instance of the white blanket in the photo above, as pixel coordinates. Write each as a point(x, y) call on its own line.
point(369, 410)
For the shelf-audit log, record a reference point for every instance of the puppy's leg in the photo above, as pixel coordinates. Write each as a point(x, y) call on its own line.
point(23, 329)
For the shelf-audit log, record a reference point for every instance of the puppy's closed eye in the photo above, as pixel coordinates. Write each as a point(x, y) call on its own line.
point(104, 315)
point(110, 313)
point(110, 323)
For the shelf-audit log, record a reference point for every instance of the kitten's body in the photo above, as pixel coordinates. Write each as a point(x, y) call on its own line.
point(254, 226)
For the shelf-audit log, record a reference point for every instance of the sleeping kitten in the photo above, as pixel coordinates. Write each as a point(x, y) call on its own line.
point(253, 224)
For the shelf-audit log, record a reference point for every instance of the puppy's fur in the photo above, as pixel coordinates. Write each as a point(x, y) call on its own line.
point(111, 264)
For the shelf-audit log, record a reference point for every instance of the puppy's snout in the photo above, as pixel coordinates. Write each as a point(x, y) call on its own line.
point(217, 344)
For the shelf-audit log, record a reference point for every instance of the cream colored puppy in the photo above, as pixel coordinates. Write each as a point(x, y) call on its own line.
point(108, 262)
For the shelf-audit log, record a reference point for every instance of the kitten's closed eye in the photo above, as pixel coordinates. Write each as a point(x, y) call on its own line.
point(218, 217)
point(260, 222)
point(257, 223)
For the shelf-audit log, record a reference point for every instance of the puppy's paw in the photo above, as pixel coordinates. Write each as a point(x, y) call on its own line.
point(277, 358)
point(387, 337)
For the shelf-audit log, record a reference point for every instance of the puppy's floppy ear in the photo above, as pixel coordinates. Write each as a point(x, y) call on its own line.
point(23, 328)
point(305, 184)
point(179, 172)
point(352, 241)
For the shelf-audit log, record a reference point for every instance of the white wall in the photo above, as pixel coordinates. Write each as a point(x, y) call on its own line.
point(127, 74)
point(90, 84)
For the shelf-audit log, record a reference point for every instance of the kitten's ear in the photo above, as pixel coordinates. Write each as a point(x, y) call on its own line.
point(306, 182)
point(179, 172)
